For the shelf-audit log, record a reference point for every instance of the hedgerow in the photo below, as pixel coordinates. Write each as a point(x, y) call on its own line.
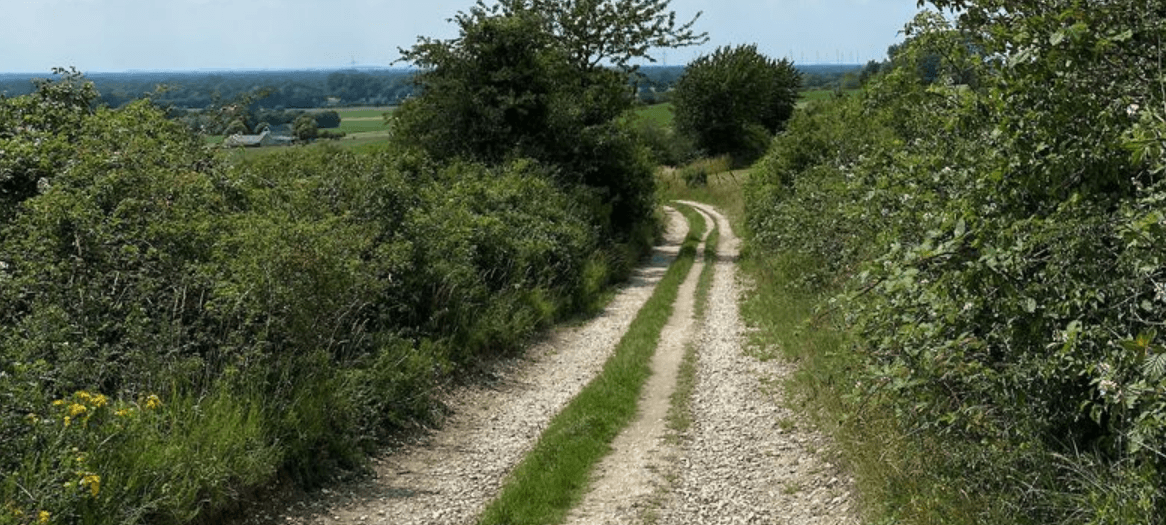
point(986, 220)
point(177, 332)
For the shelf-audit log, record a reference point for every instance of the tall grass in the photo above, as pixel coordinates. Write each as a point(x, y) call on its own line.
point(723, 190)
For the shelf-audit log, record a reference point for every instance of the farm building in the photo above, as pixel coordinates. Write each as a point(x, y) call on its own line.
point(267, 138)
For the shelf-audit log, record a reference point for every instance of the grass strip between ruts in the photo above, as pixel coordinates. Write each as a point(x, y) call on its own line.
point(680, 408)
point(553, 476)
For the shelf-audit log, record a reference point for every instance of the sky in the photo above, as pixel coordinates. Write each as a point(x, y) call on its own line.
point(128, 35)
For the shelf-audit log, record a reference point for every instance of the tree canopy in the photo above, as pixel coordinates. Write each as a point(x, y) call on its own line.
point(731, 101)
point(530, 79)
point(595, 33)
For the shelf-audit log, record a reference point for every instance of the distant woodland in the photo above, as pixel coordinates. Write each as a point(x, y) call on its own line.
point(279, 90)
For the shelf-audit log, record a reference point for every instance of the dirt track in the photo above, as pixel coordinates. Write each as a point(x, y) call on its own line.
point(745, 459)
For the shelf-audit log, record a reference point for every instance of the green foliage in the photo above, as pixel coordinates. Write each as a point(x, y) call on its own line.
point(241, 322)
point(35, 132)
point(986, 217)
point(732, 101)
point(523, 80)
point(597, 32)
point(236, 127)
point(305, 128)
point(327, 119)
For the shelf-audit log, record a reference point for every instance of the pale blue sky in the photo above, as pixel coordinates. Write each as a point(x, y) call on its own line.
point(119, 35)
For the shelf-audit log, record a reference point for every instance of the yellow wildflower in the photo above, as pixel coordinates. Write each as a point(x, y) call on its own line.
point(59, 403)
point(93, 481)
point(43, 516)
point(153, 402)
point(77, 409)
point(100, 400)
point(124, 412)
point(68, 420)
point(14, 510)
point(82, 396)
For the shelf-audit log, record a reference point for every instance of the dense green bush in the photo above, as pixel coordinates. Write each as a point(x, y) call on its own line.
point(996, 247)
point(176, 331)
point(732, 101)
point(516, 83)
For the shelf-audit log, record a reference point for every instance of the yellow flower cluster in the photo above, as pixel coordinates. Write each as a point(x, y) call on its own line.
point(42, 517)
point(153, 402)
point(92, 482)
point(82, 405)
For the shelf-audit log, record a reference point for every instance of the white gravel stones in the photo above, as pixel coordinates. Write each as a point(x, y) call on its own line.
point(742, 461)
point(624, 483)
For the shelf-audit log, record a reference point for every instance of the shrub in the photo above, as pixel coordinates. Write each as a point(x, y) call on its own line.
point(273, 317)
point(995, 249)
point(734, 100)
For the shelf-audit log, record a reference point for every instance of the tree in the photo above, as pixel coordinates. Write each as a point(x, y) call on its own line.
point(327, 119)
point(594, 33)
point(486, 94)
point(236, 127)
point(731, 101)
point(305, 128)
point(36, 133)
point(528, 79)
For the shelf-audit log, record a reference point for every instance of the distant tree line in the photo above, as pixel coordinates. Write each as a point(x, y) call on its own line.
point(281, 90)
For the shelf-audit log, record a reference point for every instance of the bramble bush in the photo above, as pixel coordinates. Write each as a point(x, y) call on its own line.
point(996, 247)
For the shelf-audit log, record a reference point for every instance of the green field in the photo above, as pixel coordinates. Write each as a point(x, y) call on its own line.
point(659, 113)
point(354, 113)
point(361, 125)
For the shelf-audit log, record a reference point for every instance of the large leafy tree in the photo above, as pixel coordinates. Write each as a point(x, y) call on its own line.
point(731, 101)
point(545, 80)
point(595, 33)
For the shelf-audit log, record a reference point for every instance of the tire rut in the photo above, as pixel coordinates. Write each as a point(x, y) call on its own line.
point(623, 484)
point(748, 458)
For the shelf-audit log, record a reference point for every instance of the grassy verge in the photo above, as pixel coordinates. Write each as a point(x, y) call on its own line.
point(723, 190)
point(554, 475)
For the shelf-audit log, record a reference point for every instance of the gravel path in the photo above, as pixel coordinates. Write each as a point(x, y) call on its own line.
point(747, 458)
point(451, 475)
point(624, 482)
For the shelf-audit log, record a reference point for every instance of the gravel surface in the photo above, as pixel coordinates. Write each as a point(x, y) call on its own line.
point(624, 482)
point(747, 458)
point(451, 474)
